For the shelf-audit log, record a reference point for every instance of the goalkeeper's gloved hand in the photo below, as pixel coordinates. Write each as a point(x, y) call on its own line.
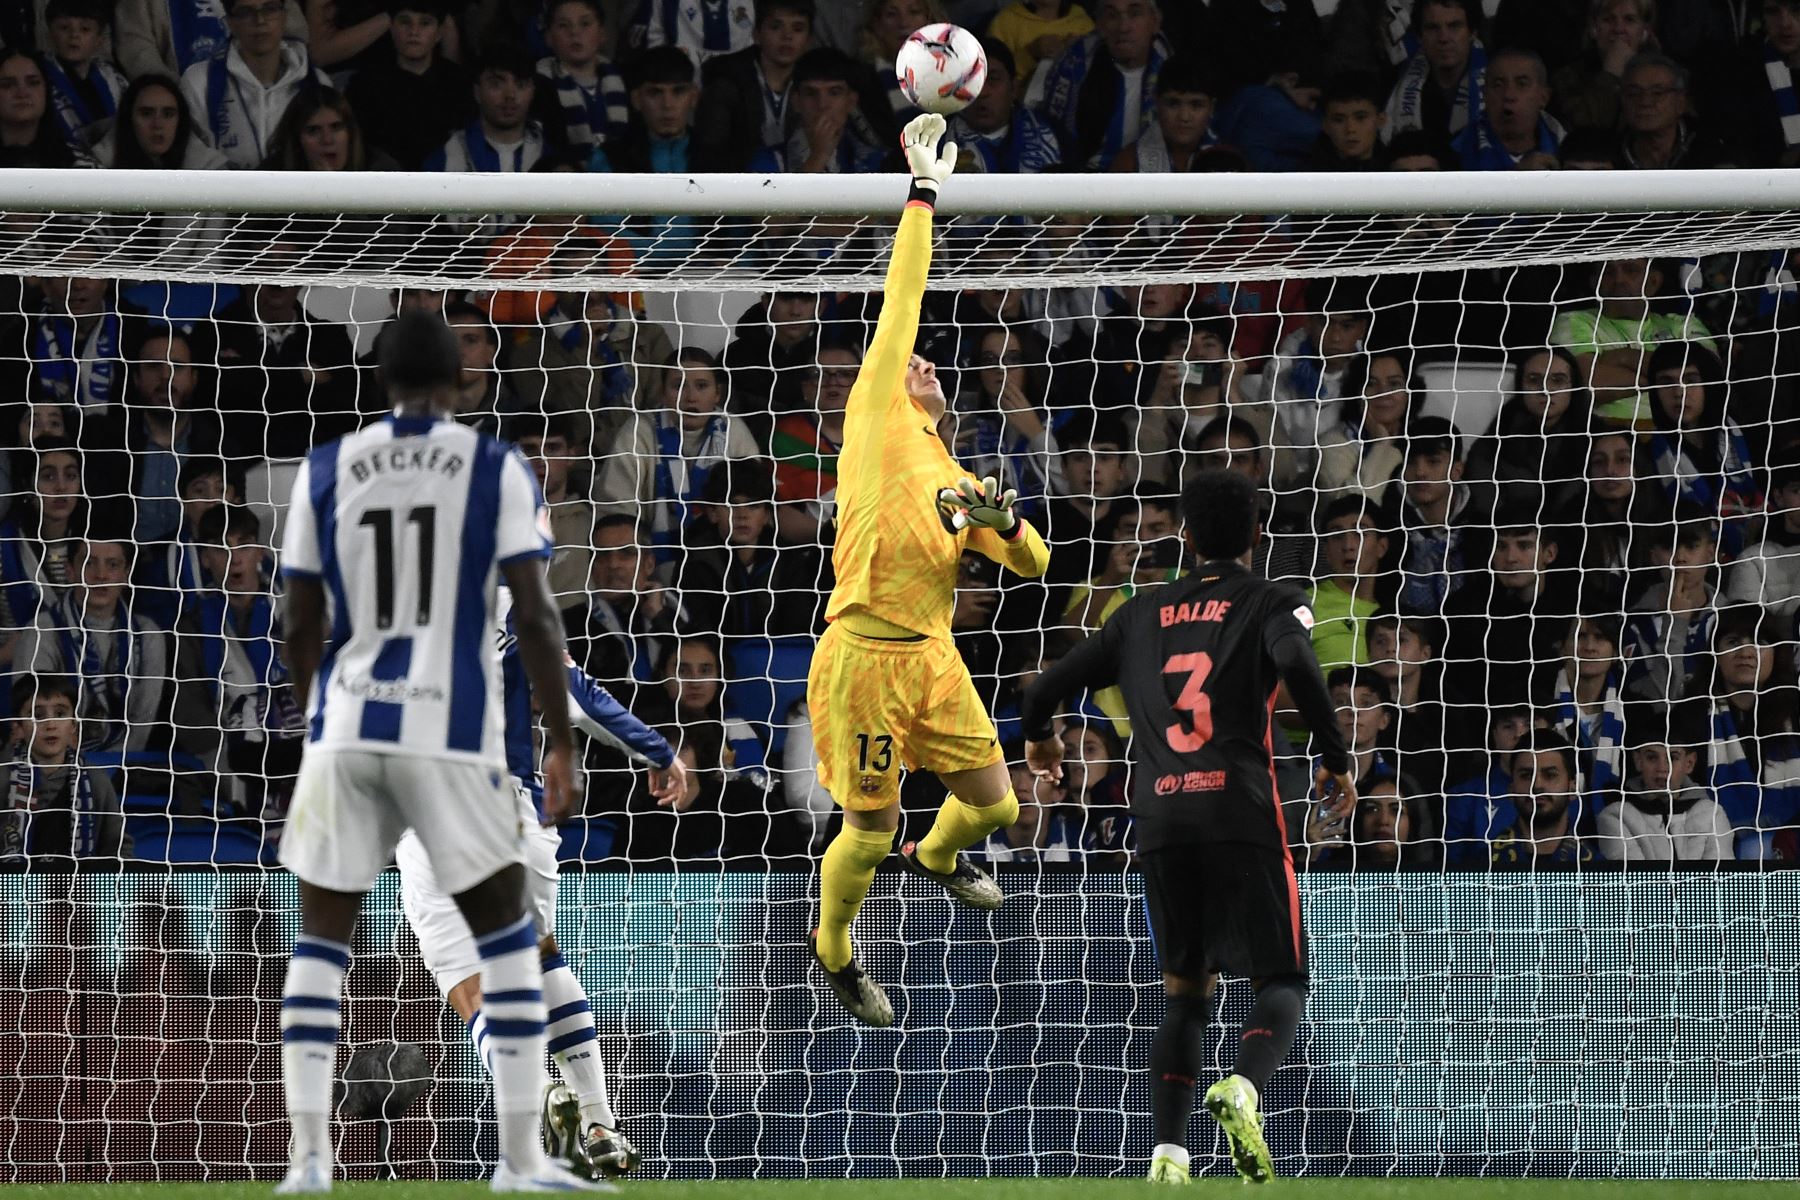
point(981, 505)
point(931, 163)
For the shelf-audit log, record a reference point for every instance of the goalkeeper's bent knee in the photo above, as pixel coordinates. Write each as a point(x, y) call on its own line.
point(960, 825)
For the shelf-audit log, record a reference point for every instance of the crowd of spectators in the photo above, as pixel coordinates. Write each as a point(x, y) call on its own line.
point(1562, 632)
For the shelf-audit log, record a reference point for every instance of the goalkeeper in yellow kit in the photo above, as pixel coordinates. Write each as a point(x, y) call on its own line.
point(887, 687)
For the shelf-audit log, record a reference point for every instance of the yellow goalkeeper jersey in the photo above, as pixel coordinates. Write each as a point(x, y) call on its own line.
point(895, 559)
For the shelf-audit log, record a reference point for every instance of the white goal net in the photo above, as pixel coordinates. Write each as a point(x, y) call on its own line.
point(1528, 443)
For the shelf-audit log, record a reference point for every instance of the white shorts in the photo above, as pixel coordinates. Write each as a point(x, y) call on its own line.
point(445, 942)
point(350, 808)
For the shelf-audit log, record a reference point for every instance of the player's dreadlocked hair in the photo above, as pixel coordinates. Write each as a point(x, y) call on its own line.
point(1220, 508)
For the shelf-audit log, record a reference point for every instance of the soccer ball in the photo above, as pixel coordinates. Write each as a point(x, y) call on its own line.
point(941, 68)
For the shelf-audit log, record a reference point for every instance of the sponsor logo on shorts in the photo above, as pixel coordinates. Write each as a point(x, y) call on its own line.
point(870, 784)
point(1191, 781)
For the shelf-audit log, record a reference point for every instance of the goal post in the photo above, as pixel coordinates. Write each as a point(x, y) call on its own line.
point(1474, 1010)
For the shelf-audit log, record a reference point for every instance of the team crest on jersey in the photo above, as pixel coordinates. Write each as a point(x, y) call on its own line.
point(1304, 615)
point(870, 784)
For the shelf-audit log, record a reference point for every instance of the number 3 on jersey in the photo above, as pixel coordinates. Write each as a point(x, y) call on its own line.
point(1192, 702)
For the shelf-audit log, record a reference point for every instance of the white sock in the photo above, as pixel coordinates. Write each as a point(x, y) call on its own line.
point(1168, 1150)
point(310, 1018)
point(573, 1043)
point(512, 1005)
point(478, 1035)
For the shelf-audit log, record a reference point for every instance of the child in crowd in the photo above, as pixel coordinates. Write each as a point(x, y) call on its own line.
point(1352, 547)
point(118, 657)
point(408, 104)
point(1433, 555)
point(1352, 115)
point(55, 807)
point(231, 648)
point(581, 99)
point(1663, 813)
point(84, 87)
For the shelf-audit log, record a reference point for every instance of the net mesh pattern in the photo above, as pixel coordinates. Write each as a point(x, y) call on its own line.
point(1611, 403)
point(696, 253)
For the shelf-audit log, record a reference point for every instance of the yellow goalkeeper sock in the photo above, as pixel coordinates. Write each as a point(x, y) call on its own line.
point(959, 826)
point(844, 877)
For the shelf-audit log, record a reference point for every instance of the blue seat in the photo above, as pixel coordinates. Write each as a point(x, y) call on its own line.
point(767, 678)
point(586, 839)
point(193, 840)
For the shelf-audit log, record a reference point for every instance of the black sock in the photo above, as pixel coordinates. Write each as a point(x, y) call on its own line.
point(1176, 1054)
point(1269, 1029)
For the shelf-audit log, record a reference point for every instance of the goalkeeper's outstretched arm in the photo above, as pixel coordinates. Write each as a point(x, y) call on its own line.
point(882, 379)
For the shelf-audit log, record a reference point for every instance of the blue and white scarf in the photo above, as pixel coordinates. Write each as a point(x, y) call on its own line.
point(1781, 85)
point(1062, 94)
point(1433, 560)
point(1306, 373)
point(1481, 149)
point(102, 661)
point(243, 670)
point(73, 113)
point(197, 29)
point(680, 475)
point(1028, 148)
point(1601, 743)
point(1754, 805)
point(1406, 108)
point(1646, 635)
point(173, 580)
point(32, 789)
point(484, 156)
point(218, 113)
point(1731, 493)
point(590, 118)
point(1396, 29)
point(88, 374)
point(617, 380)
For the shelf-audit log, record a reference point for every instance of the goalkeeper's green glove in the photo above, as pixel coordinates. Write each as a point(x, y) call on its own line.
point(930, 163)
point(981, 505)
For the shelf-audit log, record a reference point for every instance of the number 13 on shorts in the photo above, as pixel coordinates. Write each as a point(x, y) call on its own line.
point(874, 760)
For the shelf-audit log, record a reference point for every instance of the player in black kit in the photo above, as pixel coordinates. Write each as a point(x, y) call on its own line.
point(1200, 662)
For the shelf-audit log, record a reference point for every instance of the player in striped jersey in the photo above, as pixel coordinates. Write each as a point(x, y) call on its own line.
point(397, 538)
point(887, 688)
point(579, 1123)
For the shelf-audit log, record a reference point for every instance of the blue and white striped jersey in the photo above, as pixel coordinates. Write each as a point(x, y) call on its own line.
point(592, 710)
point(406, 523)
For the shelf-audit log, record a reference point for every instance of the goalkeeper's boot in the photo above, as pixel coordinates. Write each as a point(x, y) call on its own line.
point(306, 1176)
point(545, 1175)
point(966, 881)
point(1233, 1104)
point(861, 996)
point(1168, 1167)
point(609, 1150)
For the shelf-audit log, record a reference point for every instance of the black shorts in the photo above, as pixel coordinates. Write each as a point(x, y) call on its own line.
point(1224, 907)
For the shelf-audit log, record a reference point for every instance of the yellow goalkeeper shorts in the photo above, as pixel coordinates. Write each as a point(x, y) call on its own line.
point(880, 705)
